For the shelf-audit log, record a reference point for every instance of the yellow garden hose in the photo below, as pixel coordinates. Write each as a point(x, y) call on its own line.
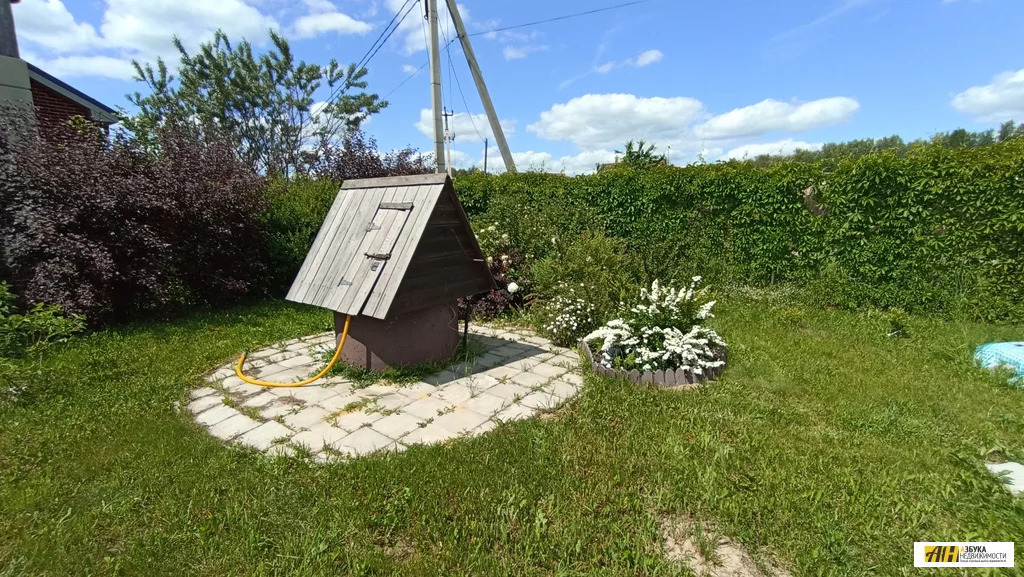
point(334, 359)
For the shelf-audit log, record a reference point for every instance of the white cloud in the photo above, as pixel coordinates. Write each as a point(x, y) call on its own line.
point(605, 68)
point(780, 148)
point(604, 121)
point(313, 25)
point(412, 31)
point(649, 57)
point(517, 52)
point(49, 24)
point(1002, 99)
point(771, 115)
point(131, 29)
point(409, 69)
point(146, 27)
point(71, 66)
point(464, 127)
point(538, 161)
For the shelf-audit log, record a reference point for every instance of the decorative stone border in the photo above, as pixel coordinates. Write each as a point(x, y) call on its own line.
point(681, 378)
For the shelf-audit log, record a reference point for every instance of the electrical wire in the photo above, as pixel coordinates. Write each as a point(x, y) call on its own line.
point(557, 18)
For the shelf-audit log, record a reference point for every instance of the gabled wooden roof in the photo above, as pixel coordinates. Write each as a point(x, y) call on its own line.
point(373, 233)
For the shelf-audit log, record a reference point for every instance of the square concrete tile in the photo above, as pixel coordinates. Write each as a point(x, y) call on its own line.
point(339, 402)
point(514, 413)
point(233, 426)
point(202, 392)
point(427, 408)
point(362, 442)
point(203, 403)
point(220, 374)
point(442, 378)
point(572, 379)
point(301, 361)
point(460, 420)
point(216, 414)
point(485, 427)
point(455, 392)
point(530, 380)
point(502, 372)
point(547, 370)
point(263, 436)
point(306, 417)
point(487, 404)
point(261, 400)
point(524, 364)
point(319, 436)
point(392, 402)
point(541, 401)
point(356, 419)
point(428, 435)
point(396, 426)
point(417, 390)
point(1014, 475)
point(480, 382)
point(562, 389)
point(508, 392)
point(240, 387)
point(278, 408)
point(313, 394)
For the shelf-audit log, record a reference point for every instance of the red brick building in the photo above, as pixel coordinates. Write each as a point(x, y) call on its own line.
point(55, 101)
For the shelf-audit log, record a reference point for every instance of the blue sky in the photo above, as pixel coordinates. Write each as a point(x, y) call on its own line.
point(715, 79)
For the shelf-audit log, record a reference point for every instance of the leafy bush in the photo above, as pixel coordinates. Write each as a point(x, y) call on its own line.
point(663, 331)
point(105, 229)
point(593, 265)
point(25, 337)
point(511, 273)
point(296, 210)
point(935, 230)
point(567, 317)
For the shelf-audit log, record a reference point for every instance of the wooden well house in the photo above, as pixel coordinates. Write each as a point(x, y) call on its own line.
point(394, 253)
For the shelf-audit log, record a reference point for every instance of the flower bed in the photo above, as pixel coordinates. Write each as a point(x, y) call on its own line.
point(663, 378)
point(662, 339)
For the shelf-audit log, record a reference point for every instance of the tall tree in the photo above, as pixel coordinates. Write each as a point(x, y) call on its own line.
point(264, 103)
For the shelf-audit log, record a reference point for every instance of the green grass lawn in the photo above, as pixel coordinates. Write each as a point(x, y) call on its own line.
point(826, 445)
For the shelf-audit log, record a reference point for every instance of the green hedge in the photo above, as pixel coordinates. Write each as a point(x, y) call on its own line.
point(938, 230)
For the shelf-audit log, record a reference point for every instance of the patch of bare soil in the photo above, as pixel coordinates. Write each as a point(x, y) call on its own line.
point(710, 554)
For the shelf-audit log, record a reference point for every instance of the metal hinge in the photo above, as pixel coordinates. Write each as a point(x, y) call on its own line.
point(372, 226)
point(395, 206)
point(344, 282)
point(379, 255)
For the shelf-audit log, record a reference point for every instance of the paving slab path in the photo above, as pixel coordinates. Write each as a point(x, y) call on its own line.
point(517, 376)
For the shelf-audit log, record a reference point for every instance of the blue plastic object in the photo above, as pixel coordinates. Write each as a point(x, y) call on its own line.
point(1011, 355)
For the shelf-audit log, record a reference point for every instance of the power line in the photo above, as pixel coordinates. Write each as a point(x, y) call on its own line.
point(407, 79)
point(557, 18)
point(382, 39)
point(382, 32)
point(393, 30)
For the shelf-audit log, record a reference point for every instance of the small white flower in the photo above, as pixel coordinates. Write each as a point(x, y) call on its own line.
point(490, 260)
point(512, 288)
point(504, 237)
point(504, 258)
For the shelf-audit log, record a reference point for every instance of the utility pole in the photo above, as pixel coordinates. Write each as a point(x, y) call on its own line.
point(448, 138)
point(8, 39)
point(435, 86)
point(485, 155)
point(485, 96)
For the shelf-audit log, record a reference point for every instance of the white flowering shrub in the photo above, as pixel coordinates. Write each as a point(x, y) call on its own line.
point(568, 317)
point(663, 331)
